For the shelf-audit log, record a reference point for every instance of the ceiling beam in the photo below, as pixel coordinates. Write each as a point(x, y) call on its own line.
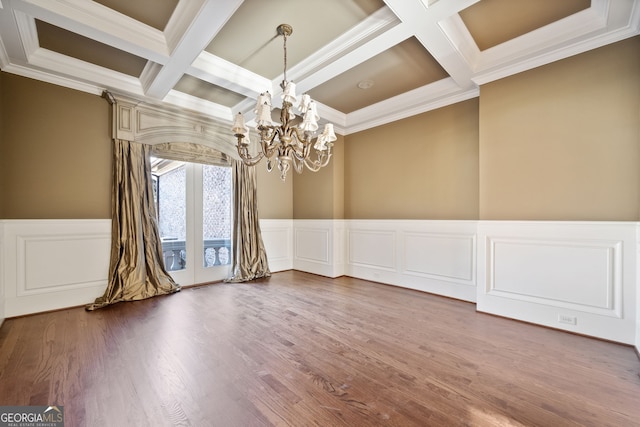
point(425, 23)
point(190, 29)
point(222, 73)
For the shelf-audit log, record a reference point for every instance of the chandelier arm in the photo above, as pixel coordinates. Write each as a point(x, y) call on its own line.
point(268, 135)
point(298, 157)
point(305, 142)
point(298, 164)
point(322, 160)
point(247, 159)
point(316, 165)
point(303, 137)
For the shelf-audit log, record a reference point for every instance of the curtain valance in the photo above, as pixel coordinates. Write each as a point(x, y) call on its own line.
point(154, 124)
point(189, 152)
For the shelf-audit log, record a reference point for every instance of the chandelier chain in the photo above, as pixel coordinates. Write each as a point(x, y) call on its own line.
point(284, 36)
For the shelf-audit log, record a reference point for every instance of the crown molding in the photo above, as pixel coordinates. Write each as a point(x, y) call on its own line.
point(543, 40)
point(85, 72)
point(98, 22)
point(71, 83)
point(603, 23)
point(430, 97)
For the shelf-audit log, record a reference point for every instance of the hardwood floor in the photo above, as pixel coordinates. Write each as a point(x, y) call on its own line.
point(303, 350)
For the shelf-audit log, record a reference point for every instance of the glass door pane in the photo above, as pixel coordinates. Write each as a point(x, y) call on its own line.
point(171, 188)
point(216, 215)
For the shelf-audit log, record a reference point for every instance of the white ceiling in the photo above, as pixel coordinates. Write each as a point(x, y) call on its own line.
point(216, 56)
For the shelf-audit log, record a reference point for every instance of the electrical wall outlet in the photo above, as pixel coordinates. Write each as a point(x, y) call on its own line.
point(565, 318)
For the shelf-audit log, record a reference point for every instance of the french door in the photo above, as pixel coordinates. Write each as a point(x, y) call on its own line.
point(194, 203)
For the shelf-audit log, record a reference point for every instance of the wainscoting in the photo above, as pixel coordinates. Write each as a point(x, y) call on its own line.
point(2, 270)
point(431, 256)
point(580, 277)
point(277, 235)
point(577, 276)
point(319, 247)
point(52, 264)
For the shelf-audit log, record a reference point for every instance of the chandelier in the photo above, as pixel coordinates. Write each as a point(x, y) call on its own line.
point(292, 142)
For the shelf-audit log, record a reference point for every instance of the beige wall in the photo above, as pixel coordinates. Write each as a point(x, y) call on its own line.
point(2, 154)
point(56, 152)
point(275, 198)
point(320, 195)
point(55, 156)
point(562, 142)
point(422, 167)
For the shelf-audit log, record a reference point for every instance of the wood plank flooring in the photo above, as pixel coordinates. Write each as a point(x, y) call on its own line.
point(303, 350)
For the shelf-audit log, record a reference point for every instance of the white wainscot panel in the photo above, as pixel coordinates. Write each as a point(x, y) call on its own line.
point(637, 339)
point(54, 264)
point(577, 275)
point(372, 248)
point(440, 256)
point(2, 269)
point(430, 256)
point(277, 238)
point(317, 243)
point(61, 262)
point(312, 245)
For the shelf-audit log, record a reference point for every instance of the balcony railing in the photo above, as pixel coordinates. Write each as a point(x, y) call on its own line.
point(216, 252)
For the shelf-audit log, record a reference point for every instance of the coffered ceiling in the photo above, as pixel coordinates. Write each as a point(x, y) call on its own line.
point(367, 62)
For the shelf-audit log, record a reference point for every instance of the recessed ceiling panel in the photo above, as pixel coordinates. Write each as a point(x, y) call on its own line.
point(210, 92)
point(398, 70)
point(249, 38)
point(492, 22)
point(155, 13)
point(76, 46)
